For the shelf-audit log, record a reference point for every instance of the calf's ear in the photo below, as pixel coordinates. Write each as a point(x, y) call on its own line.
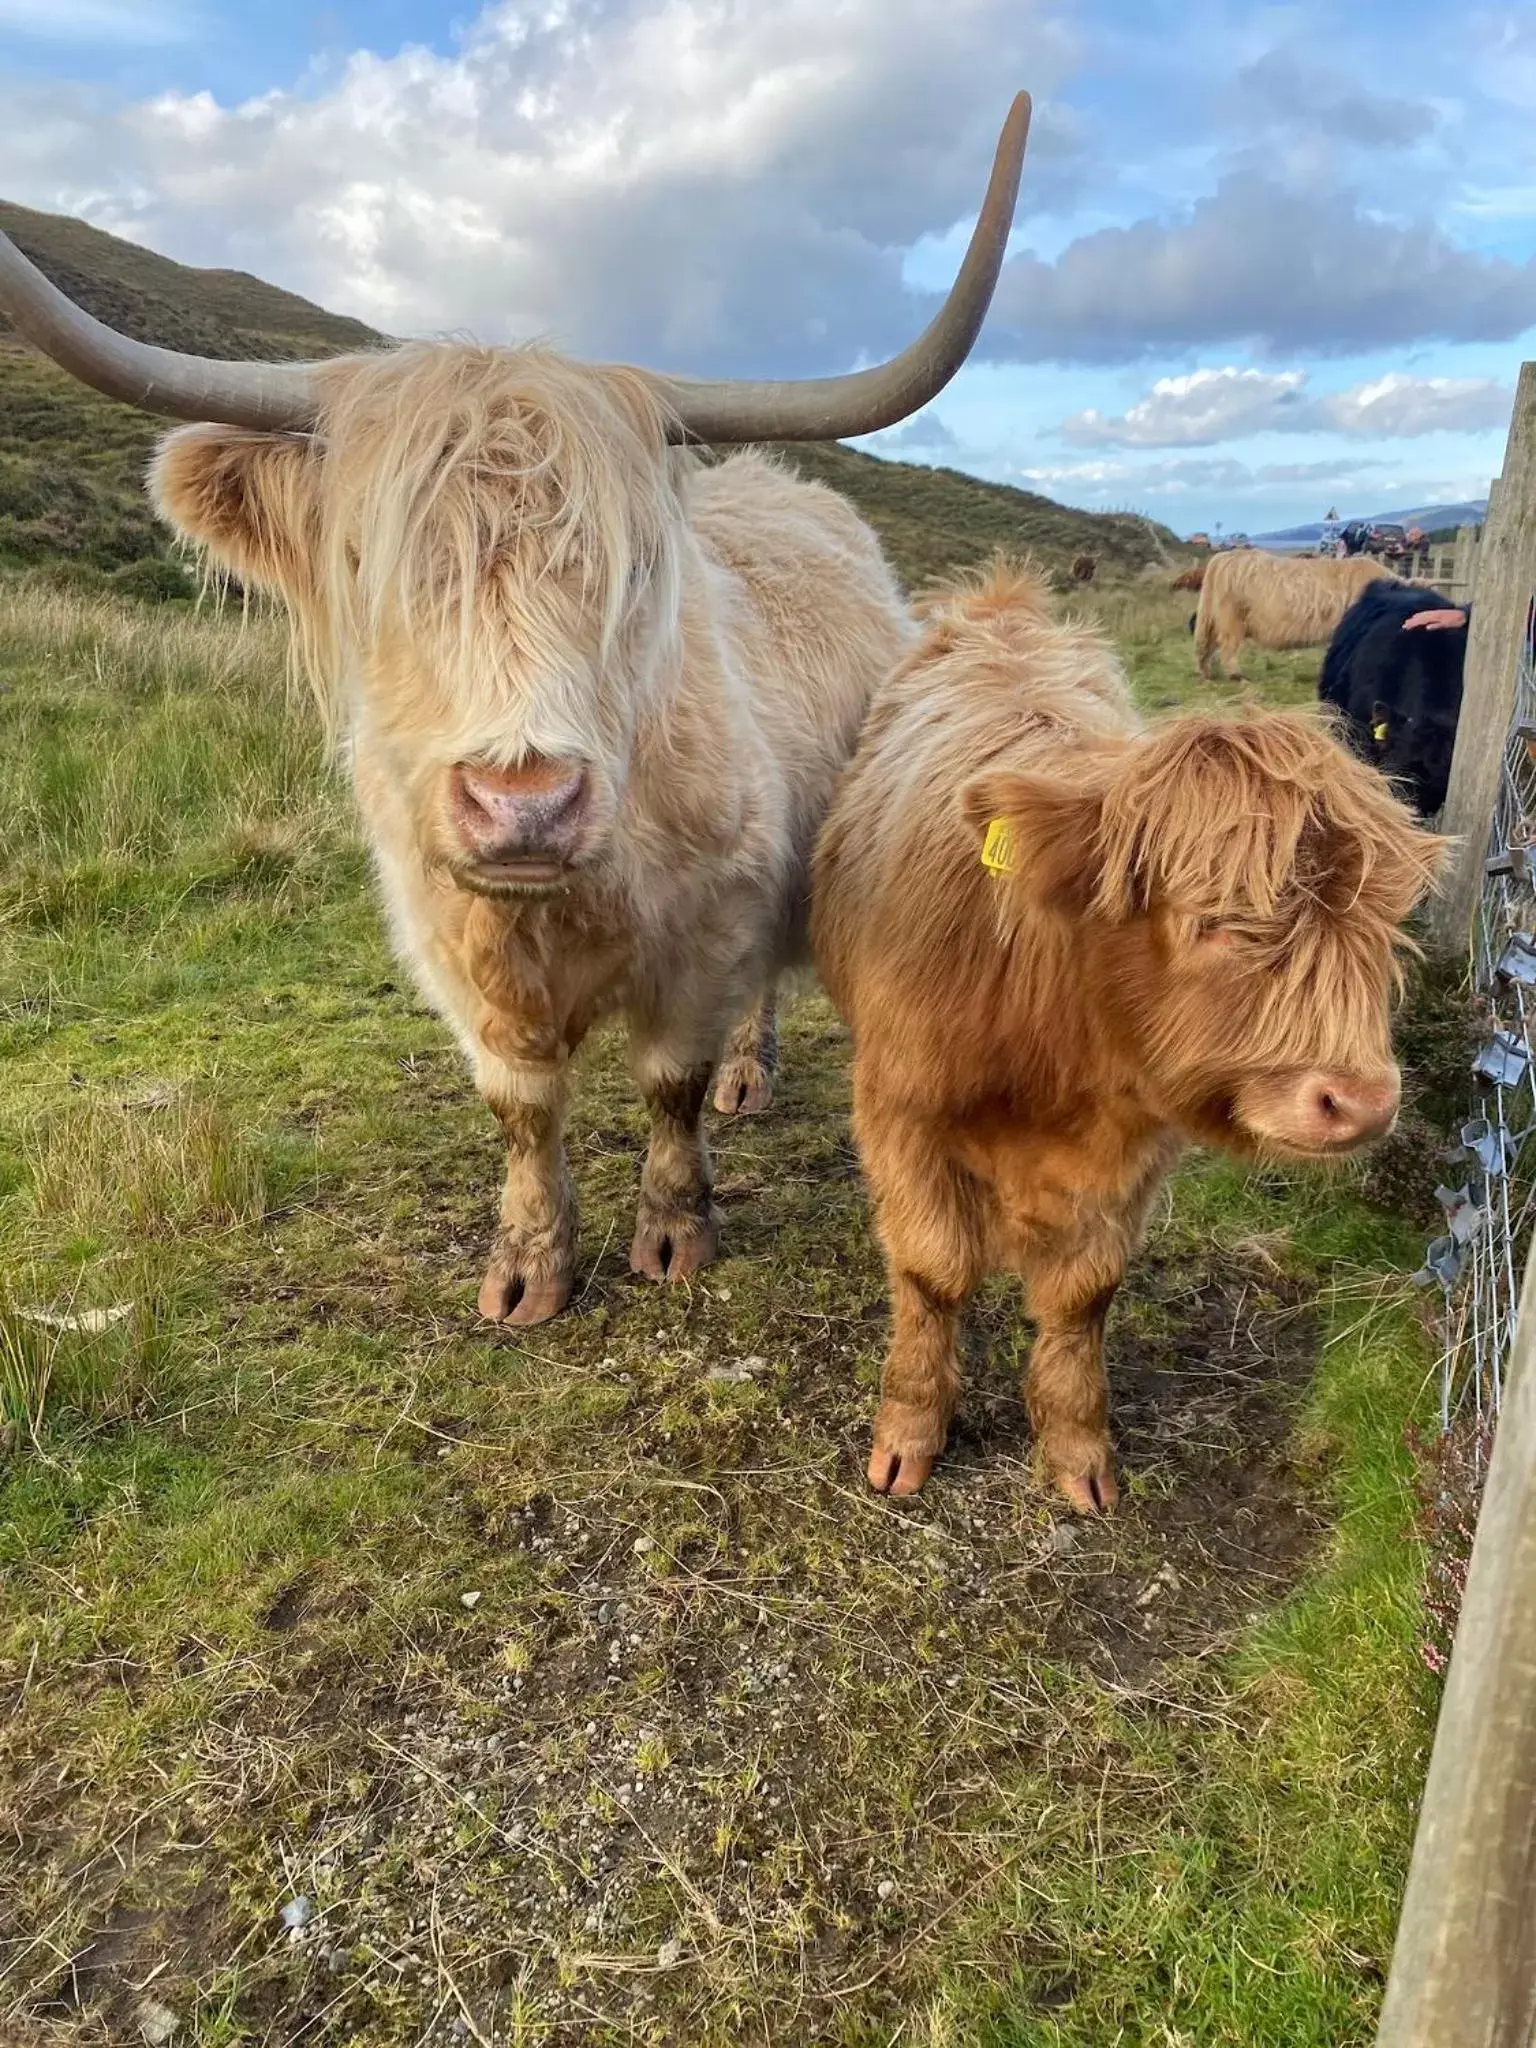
point(251, 500)
point(1042, 833)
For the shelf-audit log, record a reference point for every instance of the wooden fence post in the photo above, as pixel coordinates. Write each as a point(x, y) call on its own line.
point(1464, 564)
point(1464, 1964)
point(1505, 578)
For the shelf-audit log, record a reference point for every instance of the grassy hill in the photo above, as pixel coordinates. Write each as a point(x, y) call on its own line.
point(71, 463)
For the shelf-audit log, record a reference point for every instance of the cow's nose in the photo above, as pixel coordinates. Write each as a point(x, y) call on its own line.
point(1348, 1109)
point(529, 815)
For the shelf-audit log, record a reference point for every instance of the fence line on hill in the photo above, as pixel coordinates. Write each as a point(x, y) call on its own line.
point(1450, 566)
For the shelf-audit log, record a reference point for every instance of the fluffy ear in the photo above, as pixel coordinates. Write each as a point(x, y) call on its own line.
point(1050, 834)
point(251, 500)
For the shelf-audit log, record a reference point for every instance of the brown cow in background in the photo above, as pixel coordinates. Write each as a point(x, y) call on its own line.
point(1191, 578)
point(1278, 601)
point(1067, 947)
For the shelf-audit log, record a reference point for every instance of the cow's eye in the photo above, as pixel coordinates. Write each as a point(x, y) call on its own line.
point(1210, 931)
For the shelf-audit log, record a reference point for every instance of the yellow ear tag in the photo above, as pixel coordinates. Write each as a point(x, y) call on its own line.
point(1379, 732)
point(997, 851)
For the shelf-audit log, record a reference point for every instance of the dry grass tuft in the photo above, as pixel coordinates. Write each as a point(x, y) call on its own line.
point(101, 1167)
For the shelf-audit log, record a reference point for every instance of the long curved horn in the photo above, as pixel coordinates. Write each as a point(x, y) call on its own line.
point(272, 395)
point(830, 408)
point(284, 396)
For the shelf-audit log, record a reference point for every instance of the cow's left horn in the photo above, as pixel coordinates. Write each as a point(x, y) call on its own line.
point(828, 408)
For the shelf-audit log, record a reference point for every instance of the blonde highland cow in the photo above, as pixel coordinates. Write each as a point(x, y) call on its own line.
point(595, 693)
point(1278, 601)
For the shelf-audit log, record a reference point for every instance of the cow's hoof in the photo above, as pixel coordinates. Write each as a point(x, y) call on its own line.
point(906, 1449)
point(508, 1295)
point(743, 1088)
point(673, 1248)
point(1090, 1493)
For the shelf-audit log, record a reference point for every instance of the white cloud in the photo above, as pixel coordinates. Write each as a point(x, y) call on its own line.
point(1222, 404)
point(1178, 476)
point(1192, 411)
point(714, 188)
point(1283, 268)
point(1401, 405)
point(727, 190)
point(1284, 93)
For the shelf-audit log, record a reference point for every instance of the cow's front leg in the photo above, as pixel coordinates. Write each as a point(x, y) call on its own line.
point(1067, 1393)
point(678, 1228)
point(1071, 1273)
point(744, 1084)
point(927, 1220)
point(533, 1260)
point(1070, 1277)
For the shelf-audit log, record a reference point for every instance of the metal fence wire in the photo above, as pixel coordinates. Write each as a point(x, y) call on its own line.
point(1489, 1197)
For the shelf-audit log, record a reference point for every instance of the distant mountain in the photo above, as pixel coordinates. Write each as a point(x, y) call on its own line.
point(1470, 512)
point(72, 463)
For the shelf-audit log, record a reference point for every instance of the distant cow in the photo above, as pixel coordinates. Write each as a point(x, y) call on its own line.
point(1278, 601)
point(1066, 947)
point(1084, 568)
point(1399, 688)
point(1191, 579)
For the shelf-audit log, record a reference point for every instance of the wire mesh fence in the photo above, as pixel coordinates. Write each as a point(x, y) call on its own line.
point(1489, 1198)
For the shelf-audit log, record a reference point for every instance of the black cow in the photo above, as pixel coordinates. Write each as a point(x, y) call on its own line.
point(1400, 692)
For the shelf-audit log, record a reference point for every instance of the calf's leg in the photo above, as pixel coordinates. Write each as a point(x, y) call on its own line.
point(678, 1227)
point(1066, 1390)
point(744, 1084)
point(533, 1259)
point(926, 1218)
point(1071, 1276)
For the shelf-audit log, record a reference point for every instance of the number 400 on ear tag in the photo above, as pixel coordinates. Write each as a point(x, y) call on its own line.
point(997, 849)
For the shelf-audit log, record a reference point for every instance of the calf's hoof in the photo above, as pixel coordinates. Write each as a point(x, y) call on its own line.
point(906, 1449)
point(1085, 1476)
point(673, 1247)
point(513, 1292)
point(743, 1088)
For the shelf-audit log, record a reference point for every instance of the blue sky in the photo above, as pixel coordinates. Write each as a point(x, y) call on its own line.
point(1268, 259)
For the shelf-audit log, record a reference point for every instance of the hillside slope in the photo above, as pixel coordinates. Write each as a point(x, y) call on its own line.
point(71, 463)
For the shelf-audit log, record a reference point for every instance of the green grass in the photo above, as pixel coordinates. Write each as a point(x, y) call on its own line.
point(723, 1749)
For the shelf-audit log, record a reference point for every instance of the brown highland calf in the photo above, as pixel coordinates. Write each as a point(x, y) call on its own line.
point(1188, 935)
point(1279, 601)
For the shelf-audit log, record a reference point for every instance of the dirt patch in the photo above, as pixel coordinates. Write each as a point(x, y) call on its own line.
point(710, 1698)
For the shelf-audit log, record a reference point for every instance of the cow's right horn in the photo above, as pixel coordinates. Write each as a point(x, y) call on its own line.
point(272, 395)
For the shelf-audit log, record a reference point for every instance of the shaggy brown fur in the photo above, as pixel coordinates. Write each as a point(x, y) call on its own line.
point(494, 560)
point(1084, 568)
point(1277, 601)
point(1191, 579)
point(1196, 943)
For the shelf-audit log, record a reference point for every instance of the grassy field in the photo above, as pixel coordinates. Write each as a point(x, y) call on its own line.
point(572, 1689)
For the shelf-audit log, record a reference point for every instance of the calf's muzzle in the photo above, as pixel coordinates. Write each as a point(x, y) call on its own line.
point(523, 823)
point(1321, 1112)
